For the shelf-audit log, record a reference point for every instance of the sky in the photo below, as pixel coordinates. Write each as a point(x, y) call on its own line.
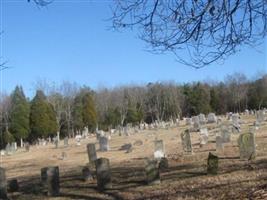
point(72, 40)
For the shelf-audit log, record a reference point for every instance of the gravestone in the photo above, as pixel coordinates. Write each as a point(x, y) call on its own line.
point(53, 181)
point(188, 121)
point(13, 185)
point(152, 171)
point(103, 174)
point(225, 133)
point(260, 116)
point(66, 141)
point(103, 143)
point(56, 142)
point(3, 184)
point(8, 149)
point(163, 163)
point(204, 136)
point(44, 176)
point(91, 152)
point(159, 149)
point(236, 123)
point(202, 119)
point(196, 123)
point(86, 173)
point(186, 141)
point(247, 148)
point(13, 147)
point(212, 118)
point(213, 163)
point(219, 143)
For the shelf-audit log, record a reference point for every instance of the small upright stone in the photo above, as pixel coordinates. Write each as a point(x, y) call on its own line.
point(3, 184)
point(159, 149)
point(213, 162)
point(103, 143)
point(247, 148)
point(53, 181)
point(152, 172)
point(91, 152)
point(103, 174)
point(13, 185)
point(219, 143)
point(186, 141)
point(27, 146)
point(66, 141)
point(212, 118)
point(87, 175)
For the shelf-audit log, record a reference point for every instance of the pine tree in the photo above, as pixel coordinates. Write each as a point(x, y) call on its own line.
point(89, 112)
point(42, 117)
point(19, 115)
point(77, 113)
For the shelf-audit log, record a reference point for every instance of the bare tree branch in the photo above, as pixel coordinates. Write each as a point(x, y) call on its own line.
point(198, 32)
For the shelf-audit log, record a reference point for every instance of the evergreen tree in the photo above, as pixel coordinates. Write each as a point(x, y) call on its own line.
point(89, 112)
point(19, 115)
point(77, 113)
point(42, 117)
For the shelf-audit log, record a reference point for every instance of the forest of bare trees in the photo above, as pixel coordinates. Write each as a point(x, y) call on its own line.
point(68, 107)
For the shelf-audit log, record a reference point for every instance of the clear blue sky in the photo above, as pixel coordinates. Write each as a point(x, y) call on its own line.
point(70, 40)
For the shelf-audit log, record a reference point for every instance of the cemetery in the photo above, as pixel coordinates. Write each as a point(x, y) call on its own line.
point(133, 100)
point(175, 163)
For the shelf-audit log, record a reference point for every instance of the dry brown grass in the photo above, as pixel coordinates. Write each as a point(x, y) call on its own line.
point(186, 177)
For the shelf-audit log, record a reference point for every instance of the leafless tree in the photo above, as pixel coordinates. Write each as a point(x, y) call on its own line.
point(198, 32)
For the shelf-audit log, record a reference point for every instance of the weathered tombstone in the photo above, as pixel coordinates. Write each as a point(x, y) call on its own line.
point(159, 149)
point(213, 162)
point(103, 143)
point(91, 152)
point(246, 143)
point(235, 119)
point(44, 176)
point(66, 141)
point(8, 149)
point(56, 143)
point(163, 163)
point(219, 143)
point(225, 134)
point(127, 147)
point(13, 185)
point(260, 116)
point(103, 174)
point(196, 123)
point(202, 119)
point(13, 147)
point(188, 121)
point(3, 184)
point(152, 171)
point(204, 136)
point(53, 181)
point(212, 118)
point(186, 141)
point(86, 173)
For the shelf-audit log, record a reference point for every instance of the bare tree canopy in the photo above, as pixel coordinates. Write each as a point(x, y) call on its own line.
point(42, 2)
point(198, 32)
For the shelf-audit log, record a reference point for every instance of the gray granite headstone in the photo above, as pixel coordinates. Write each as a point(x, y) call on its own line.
point(219, 143)
point(152, 171)
point(91, 151)
point(213, 163)
point(247, 148)
point(53, 184)
point(103, 143)
point(186, 141)
point(3, 184)
point(159, 149)
point(103, 174)
point(212, 118)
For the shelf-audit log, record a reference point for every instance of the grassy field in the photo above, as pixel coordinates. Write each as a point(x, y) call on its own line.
point(186, 177)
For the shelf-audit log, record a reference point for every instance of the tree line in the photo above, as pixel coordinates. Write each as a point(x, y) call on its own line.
point(68, 108)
